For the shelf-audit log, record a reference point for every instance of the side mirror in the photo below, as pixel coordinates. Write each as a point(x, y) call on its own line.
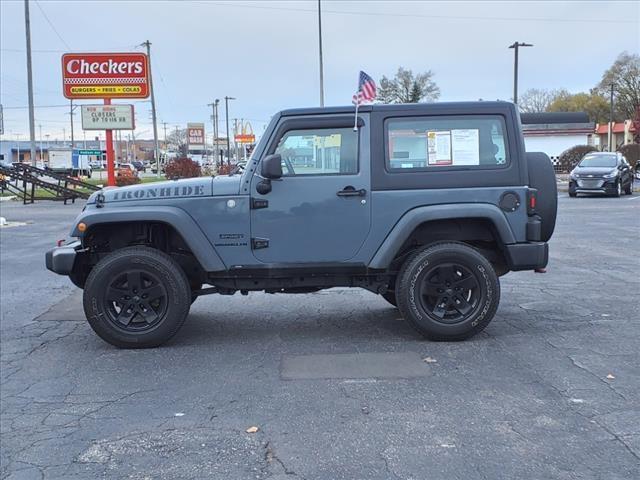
point(271, 166)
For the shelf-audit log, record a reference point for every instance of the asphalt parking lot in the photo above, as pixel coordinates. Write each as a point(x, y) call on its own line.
point(338, 386)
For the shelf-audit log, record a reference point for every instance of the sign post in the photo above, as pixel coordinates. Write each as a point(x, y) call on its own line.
point(106, 76)
point(111, 173)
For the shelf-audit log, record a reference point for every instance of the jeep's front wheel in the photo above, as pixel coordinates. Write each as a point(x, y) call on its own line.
point(448, 291)
point(137, 297)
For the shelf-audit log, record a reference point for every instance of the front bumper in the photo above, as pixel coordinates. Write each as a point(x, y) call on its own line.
point(527, 256)
point(598, 185)
point(61, 259)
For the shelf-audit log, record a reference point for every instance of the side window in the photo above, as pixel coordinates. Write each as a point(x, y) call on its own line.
point(322, 151)
point(431, 143)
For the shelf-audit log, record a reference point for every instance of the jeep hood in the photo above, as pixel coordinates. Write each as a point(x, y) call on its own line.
point(171, 189)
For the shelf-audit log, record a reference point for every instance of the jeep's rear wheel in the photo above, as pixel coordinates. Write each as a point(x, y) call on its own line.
point(448, 291)
point(137, 297)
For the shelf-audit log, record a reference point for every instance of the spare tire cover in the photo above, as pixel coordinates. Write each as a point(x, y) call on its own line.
point(542, 177)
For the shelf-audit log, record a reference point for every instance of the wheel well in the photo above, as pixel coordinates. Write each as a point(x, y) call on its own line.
point(102, 239)
point(477, 232)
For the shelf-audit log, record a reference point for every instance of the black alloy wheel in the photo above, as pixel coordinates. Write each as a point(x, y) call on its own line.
point(135, 301)
point(136, 297)
point(450, 293)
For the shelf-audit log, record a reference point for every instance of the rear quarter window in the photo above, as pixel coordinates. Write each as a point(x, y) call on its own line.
point(436, 143)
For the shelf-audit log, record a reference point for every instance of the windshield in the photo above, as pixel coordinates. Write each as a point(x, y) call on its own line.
point(598, 161)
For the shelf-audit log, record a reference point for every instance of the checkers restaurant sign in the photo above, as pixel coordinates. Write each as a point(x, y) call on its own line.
point(105, 75)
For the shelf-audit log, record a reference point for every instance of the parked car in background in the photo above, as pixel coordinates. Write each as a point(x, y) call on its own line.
point(127, 166)
point(602, 172)
point(139, 166)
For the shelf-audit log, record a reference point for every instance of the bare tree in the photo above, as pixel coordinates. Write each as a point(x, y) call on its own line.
point(536, 100)
point(406, 87)
point(624, 75)
point(178, 141)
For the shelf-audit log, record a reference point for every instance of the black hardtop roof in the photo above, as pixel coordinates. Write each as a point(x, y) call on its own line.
point(403, 107)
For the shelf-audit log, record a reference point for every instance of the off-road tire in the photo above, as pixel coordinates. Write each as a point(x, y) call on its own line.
point(169, 275)
point(390, 296)
point(542, 177)
point(484, 297)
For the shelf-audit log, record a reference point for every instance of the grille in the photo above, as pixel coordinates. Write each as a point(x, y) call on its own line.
point(589, 183)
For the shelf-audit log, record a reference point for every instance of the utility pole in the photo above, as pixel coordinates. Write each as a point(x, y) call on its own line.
point(18, 145)
point(515, 46)
point(226, 113)
point(32, 127)
point(213, 127)
point(237, 130)
point(153, 110)
point(133, 146)
point(215, 114)
point(610, 140)
point(320, 54)
point(40, 135)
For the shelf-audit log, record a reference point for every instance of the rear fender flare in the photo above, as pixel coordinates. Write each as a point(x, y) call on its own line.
point(410, 220)
point(177, 218)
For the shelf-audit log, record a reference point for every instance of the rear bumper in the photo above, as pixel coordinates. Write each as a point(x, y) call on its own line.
point(61, 259)
point(527, 256)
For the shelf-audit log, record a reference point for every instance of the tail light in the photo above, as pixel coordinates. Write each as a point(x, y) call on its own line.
point(532, 201)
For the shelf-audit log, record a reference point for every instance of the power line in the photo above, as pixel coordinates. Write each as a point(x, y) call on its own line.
point(51, 25)
point(100, 50)
point(416, 15)
point(15, 107)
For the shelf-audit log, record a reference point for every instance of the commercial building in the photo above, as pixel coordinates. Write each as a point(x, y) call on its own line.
point(622, 133)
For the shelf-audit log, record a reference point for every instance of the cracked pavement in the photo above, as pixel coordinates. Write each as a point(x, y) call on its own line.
point(549, 391)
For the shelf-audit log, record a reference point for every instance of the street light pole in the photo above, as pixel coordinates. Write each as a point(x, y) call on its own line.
point(226, 113)
point(32, 121)
point(515, 46)
point(320, 54)
point(153, 110)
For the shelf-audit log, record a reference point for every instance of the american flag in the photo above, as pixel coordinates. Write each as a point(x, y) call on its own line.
point(366, 89)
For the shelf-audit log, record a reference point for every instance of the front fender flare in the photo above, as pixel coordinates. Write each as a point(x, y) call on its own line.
point(177, 218)
point(414, 217)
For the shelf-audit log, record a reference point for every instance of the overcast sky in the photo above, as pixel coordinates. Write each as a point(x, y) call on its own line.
point(266, 53)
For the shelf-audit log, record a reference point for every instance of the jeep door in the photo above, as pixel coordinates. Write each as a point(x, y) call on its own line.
point(319, 211)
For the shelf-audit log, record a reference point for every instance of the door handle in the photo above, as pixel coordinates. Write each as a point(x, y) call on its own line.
point(350, 191)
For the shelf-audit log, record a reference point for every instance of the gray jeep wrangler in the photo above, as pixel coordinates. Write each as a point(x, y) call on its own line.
point(424, 204)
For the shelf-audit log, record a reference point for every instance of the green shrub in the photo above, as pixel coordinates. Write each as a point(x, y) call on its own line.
point(572, 156)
